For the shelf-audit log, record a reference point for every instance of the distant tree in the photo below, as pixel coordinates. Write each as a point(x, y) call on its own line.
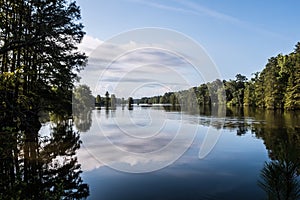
point(292, 95)
point(130, 103)
point(203, 95)
point(83, 103)
point(107, 100)
point(240, 79)
point(164, 99)
point(83, 97)
point(230, 89)
point(239, 90)
point(259, 90)
point(274, 87)
point(98, 100)
point(214, 88)
point(297, 48)
point(113, 101)
point(249, 94)
point(173, 99)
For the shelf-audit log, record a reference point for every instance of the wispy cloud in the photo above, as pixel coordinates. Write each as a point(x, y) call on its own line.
point(192, 8)
point(164, 7)
point(200, 10)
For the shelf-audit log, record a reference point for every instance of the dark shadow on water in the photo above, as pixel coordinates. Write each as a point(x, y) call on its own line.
point(35, 166)
point(279, 177)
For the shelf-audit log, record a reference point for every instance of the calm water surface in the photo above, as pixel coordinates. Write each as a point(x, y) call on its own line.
point(231, 170)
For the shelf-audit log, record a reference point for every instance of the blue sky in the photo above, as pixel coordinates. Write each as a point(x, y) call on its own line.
point(239, 36)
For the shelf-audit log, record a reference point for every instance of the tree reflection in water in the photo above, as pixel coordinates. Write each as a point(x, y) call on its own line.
point(280, 132)
point(279, 180)
point(280, 176)
point(35, 167)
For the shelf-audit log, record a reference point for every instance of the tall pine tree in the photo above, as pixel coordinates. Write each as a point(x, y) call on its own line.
point(292, 95)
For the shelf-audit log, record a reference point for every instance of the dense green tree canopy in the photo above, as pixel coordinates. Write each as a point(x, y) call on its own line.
point(38, 58)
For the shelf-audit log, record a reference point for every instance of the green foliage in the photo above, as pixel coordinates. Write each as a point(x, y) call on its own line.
point(113, 101)
point(38, 47)
point(83, 98)
point(38, 64)
point(292, 95)
point(83, 103)
point(249, 94)
point(276, 87)
point(235, 90)
point(98, 100)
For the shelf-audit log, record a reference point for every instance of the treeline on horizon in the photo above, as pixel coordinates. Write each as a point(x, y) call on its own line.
point(277, 86)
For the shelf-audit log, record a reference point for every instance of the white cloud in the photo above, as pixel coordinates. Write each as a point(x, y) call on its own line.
point(89, 44)
point(135, 59)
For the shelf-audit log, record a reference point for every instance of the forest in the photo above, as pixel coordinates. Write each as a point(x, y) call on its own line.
point(277, 86)
point(39, 61)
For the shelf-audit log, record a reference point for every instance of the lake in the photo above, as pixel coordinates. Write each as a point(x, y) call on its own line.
point(163, 153)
